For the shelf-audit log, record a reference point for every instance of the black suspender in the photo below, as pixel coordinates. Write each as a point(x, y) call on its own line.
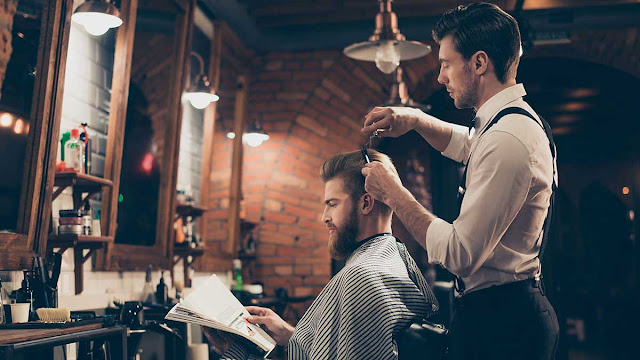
point(547, 222)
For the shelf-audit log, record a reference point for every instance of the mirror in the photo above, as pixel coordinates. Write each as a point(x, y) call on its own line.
point(150, 127)
point(19, 37)
point(33, 38)
point(145, 193)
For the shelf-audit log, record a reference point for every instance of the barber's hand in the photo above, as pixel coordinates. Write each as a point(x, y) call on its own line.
point(220, 340)
point(277, 328)
point(381, 182)
point(391, 121)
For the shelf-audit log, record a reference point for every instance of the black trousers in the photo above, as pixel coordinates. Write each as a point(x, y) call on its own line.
point(512, 321)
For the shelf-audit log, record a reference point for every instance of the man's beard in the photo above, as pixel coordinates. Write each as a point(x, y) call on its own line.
point(467, 95)
point(345, 242)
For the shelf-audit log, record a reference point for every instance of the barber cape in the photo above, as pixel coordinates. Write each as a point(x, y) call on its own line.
point(361, 310)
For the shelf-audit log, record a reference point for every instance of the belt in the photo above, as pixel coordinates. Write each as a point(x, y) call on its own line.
point(497, 292)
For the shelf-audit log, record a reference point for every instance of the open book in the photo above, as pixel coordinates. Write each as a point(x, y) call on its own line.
point(212, 304)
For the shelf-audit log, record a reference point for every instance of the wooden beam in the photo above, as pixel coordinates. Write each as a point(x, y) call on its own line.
point(117, 117)
point(208, 127)
point(235, 192)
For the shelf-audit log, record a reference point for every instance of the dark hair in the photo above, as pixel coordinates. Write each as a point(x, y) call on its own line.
point(486, 27)
point(348, 167)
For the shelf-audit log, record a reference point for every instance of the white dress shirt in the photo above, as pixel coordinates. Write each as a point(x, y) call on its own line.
point(496, 238)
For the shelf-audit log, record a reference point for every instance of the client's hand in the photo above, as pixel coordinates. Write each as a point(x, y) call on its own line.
point(220, 340)
point(279, 329)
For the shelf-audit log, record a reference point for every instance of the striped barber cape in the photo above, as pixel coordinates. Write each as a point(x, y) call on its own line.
point(361, 309)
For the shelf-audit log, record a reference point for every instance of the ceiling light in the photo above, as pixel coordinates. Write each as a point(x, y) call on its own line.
point(387, 46)
point(97, 16)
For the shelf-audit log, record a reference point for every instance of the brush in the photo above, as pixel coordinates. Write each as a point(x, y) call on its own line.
point(54, 315)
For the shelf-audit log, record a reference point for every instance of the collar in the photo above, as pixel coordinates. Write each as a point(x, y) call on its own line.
point(364, 244)
point(498, 101)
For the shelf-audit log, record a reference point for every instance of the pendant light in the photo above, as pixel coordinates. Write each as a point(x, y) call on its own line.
point(387, 46)
point(254, 136)
point(200, 94)
point(97, 16)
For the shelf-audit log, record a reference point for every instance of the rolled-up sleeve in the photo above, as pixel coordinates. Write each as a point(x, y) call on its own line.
point(458, 148)
point(498, 182)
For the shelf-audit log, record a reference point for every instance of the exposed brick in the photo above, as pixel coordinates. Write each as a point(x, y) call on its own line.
point(336, 90)
point(322, 269)
point(280, 218)
point(303, 269)
point(284, 270)
point(322, 93)
point(274, 65)
point(316, 280)
point(272, 205)
point(275, 75)
point(276, 239)
point(301, 212)
point(291, 96)
point(296, 252)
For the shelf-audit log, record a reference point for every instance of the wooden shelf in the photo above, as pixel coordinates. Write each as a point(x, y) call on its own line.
point(188, 256)
point(190, 210)
point(188, 251)
point(76, 179)
point(79, 243)
point(72, 240)
point(82, 183)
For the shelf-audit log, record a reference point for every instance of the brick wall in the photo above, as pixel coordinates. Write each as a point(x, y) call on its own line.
point(312, 105)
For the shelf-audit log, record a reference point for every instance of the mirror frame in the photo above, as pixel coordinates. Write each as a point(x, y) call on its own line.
point(16, 249)
point(136, 257)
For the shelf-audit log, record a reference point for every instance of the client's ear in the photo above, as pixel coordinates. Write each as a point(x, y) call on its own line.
point(367, 202)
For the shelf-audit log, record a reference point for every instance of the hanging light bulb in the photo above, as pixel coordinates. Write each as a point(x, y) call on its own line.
point(387, 46)
point(97, 16)
point(255, 139)
point(255, 135)
point(200, 94)
point(387, 58)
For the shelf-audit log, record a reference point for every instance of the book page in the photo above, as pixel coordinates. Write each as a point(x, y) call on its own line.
point(212, 301)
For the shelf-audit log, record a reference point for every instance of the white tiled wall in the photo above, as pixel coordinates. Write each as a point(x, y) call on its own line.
point(190, 161)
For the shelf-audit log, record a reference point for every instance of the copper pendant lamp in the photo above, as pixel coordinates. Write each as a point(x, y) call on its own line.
point(387, 46)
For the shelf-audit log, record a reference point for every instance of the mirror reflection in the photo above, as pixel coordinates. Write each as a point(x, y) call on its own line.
point(19, 36)
point(149, 122)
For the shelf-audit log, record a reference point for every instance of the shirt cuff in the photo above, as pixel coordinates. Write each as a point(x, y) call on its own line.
point(438, 235)
point(456, 148)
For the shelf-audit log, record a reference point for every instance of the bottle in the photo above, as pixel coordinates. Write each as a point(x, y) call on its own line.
point(148, 294)
point(84, 138)
point(63, 140)
point(237, 268)
point(2, 318)
point(162, 291)
point(74, 152)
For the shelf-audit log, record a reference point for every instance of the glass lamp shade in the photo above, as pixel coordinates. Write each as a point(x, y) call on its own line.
point(255, 139)
point(200, 95)
point(97, 16)
point(387, 54)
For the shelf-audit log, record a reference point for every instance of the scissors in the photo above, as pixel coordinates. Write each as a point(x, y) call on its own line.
point(365, 154)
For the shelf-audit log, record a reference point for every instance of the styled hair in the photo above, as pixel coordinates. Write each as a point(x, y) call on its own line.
point(348, 167)
point(483, 27)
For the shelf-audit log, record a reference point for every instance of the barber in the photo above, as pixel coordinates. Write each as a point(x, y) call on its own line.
point(494, 246)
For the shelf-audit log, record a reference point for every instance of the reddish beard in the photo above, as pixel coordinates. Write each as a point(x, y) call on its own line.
point(345, 239)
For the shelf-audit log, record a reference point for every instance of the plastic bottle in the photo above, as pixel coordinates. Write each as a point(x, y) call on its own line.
point(63, 140)
point(74, 152)
point(237, 268)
